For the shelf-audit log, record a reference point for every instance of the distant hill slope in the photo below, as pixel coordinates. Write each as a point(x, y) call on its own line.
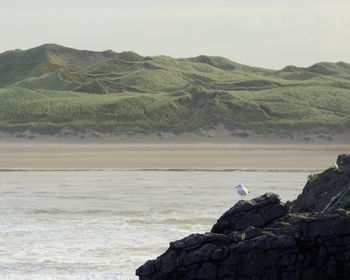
point(50, 87)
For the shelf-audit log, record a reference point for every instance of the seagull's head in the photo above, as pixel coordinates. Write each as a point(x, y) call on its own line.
point(239, 186)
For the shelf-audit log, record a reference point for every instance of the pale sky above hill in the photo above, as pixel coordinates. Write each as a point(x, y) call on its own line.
point(269, 33)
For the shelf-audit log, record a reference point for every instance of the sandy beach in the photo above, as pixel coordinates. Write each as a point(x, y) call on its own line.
point(83, 156)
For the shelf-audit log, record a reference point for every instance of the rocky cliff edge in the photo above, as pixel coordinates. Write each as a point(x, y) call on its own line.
point(265, 239)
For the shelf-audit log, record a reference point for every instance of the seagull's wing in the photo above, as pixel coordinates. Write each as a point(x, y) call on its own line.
point(245, 190)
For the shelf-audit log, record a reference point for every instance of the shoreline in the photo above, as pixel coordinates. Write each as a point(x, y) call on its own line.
point(74, 156)
point(160, 170)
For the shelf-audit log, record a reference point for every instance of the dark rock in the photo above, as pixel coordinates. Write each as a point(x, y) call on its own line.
point(343, 160)
point(251, 232)
point(327, 191)
point(341, 211)
point(257, 212)
point(145, 270)
point(207, 271)
point(260, 240)
point(321, 251)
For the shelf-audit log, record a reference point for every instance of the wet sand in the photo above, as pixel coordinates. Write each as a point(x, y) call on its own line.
point(78, 156)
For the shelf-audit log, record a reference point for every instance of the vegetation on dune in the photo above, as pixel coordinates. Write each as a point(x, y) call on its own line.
point(50, 87)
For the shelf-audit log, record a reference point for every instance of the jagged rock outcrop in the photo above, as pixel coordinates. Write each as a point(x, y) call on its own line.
point(261, 240)
point(327, 191)
point(257, 212)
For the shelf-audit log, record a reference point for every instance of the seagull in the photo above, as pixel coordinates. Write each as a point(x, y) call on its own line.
point(242, 190)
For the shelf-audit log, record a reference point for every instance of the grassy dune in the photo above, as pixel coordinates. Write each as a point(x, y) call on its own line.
point(50, 87)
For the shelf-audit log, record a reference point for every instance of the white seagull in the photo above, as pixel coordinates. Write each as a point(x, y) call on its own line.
point(242, 190)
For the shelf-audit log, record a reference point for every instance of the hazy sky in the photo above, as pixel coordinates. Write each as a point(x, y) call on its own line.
point(268, 33)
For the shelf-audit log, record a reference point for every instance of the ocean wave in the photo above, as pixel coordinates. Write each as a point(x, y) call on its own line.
point(174, 221)
point(117, 213)
point(169, 170)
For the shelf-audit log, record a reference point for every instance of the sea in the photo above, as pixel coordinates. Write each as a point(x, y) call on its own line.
point(103, 224)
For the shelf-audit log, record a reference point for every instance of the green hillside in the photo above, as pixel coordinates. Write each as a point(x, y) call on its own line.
point(50, 87)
